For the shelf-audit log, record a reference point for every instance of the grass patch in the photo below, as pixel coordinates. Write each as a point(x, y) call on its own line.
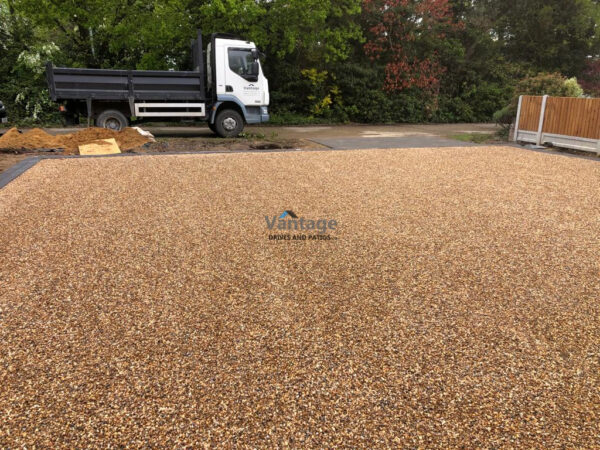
point(478, 138)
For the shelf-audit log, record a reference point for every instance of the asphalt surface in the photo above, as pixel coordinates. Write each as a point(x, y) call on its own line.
point(358, 143)
point(356, 136)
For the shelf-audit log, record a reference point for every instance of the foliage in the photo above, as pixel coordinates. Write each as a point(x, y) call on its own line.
point(313, 31)
point(478, 79)
point(244, 17)
point(590, 79)
point(376, 61)
point(516, 39)
point(478, 138)
point(552, 84)
point(324, 93)
point(22, 83)
point(547, 35)
point(406, 35)
point(34, 97)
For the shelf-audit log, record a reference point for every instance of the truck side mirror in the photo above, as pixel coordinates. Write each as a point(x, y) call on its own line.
point(255, 53)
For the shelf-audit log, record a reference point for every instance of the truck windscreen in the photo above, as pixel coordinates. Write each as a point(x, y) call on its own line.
point(242, 62)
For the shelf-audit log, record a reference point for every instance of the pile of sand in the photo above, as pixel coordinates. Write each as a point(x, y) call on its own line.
point(37, 139)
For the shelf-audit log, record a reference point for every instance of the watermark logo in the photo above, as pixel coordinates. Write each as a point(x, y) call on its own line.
point(288, 226)
point(288, 213)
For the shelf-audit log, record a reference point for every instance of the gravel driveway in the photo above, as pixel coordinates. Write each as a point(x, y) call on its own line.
point(144, 301)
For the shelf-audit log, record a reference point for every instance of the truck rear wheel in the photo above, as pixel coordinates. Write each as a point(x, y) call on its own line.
point(229, 123)
point(112, 120)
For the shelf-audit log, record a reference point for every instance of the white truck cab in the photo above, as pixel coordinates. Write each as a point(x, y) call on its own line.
point(236, 79)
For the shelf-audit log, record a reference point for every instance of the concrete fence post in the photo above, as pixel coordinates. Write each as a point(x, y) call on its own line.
point(516, 131)
point(542, 117)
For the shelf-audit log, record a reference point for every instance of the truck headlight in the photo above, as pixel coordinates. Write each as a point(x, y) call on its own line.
point(264, 110)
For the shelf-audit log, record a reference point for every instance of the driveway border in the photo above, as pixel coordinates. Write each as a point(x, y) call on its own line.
point(23, 166)
point(18, 169)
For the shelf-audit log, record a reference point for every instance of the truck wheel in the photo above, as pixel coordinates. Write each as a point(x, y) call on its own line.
point(112, 119)
point(229, 123)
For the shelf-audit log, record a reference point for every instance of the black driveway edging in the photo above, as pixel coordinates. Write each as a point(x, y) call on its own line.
point(18, 169)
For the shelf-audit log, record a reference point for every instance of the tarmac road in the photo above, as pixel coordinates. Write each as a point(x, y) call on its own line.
point(357, 136)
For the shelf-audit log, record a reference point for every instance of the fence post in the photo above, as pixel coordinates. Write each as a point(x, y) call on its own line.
point(542, 117)
point(516, 132)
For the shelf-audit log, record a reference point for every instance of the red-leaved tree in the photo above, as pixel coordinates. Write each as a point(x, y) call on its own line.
point(406, 35)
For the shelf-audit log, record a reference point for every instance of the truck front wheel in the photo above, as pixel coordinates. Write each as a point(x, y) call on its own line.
point(229, 123)
point(112, 119)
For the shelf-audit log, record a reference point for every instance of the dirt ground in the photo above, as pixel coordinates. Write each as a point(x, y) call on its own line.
point(190, 143)
point(187, 144)
point(144, 301)
point(316, 131)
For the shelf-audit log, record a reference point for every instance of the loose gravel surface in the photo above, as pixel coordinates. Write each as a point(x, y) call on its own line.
point(456, 304)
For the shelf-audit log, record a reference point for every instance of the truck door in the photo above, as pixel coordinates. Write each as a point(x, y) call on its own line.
point(243, 75)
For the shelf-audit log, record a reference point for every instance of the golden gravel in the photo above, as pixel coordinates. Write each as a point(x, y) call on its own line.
point(141, 303)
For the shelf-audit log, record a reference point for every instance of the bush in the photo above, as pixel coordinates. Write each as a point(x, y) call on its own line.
point(291, 118)
point(553, 84)
point(365, 101)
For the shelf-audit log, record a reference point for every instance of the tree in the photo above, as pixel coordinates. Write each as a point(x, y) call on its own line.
point(362, 60)
point(547, 35)
point(243, 17)
point(310, 30)
point(590, 79)
point(407, 36)
point(23, 51)
point(314, 31)
point(114, 33)
point(307, 40)
point(478, 79)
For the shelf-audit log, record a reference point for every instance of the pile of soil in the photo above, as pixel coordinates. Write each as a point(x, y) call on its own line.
point(127, 139)
point(36, 139)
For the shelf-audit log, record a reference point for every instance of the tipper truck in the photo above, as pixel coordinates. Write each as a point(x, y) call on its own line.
point(229, 91)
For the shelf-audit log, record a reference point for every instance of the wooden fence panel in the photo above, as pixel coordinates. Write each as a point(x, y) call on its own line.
point(566, 122)
point(573, 117)
point(531, 108)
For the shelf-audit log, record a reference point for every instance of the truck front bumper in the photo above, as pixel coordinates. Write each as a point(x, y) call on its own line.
point(257, 114)
point(264, 114)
